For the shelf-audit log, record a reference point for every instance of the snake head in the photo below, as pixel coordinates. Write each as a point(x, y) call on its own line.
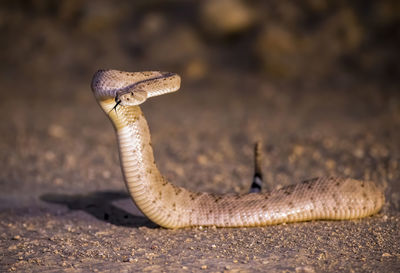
point(130, 98)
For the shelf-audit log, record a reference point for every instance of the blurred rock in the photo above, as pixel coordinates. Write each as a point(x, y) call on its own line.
point(152, 25)
point(290, 53)
point(338, 37)
point(341, 34)
point(178, 47)
point(225, 17)
point(277, 49)
point(195, 69)
point(100, 16)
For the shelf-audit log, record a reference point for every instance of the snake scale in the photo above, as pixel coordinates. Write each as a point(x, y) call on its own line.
point(119, 95)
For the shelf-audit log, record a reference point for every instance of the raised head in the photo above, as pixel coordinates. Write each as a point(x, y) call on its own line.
point(133, 88)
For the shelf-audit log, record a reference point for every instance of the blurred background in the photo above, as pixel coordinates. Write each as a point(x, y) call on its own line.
point(318, 80)
point(312, 40)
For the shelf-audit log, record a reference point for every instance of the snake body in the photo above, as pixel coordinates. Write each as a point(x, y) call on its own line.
point(119, 95)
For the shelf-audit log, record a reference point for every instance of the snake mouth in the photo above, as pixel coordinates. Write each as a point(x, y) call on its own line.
point(129, 98)
point(117, 102)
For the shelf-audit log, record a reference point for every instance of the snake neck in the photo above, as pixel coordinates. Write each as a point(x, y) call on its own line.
point(173, 207)
point(151, 192)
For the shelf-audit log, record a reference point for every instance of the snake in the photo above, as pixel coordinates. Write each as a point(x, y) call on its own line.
point(120, 93)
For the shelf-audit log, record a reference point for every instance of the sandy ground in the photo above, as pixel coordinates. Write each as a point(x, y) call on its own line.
point(64, 207)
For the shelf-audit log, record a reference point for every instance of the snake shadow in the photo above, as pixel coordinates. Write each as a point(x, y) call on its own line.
point(100, 205)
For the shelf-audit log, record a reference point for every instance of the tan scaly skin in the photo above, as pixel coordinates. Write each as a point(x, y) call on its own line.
point(119, 94)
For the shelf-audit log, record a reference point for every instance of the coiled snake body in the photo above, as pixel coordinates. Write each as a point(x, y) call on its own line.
point(119, 94)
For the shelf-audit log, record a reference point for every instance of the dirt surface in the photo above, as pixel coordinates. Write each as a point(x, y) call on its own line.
point(63, 203)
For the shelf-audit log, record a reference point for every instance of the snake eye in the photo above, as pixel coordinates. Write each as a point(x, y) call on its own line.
point(134, 97)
